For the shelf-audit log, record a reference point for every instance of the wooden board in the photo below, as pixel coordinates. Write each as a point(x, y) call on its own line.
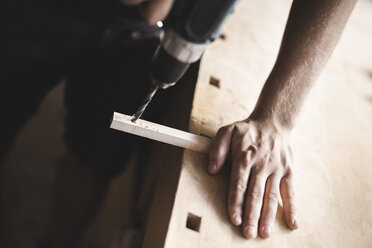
point(332, 141)
point(154, 131)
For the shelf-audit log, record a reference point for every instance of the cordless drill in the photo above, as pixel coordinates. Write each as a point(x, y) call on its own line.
point(190, 27)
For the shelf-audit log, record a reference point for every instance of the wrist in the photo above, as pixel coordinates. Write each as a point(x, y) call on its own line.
point(279, 102)
point(272, 118)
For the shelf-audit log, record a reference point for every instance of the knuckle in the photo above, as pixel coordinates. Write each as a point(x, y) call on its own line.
point(273, 196)
point(261, 165)
point(244, 159)
point(239, 186)
point(291, 195)
point(256, 193)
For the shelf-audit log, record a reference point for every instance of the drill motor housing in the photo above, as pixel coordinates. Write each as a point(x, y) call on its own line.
point(190, 27)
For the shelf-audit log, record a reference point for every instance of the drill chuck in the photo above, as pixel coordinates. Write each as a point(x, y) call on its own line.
point(172, 58)
point(181, 49)
point(189, 30)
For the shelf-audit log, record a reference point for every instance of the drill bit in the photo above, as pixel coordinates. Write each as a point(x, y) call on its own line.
point(144, 104)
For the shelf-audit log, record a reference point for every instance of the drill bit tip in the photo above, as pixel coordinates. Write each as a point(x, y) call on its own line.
point(144, 104)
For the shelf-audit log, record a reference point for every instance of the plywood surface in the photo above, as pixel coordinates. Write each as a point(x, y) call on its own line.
point(332, 140)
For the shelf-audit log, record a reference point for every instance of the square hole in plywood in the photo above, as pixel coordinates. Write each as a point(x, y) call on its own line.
point(222, 36)
point(193, 222)
point(214, 81)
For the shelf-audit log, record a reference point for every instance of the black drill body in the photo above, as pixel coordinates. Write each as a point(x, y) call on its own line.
point(190, 27)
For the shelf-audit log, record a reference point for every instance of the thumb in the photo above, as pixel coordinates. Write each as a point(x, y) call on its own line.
point(219, 148)
point(155, 10)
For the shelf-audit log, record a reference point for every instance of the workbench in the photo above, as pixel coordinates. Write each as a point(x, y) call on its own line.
point(332, 140)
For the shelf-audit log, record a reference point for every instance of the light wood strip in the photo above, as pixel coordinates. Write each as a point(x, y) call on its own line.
point(160, 133)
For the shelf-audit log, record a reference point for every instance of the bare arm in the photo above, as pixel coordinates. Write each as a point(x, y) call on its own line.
point(261, 155)
point(311, 34)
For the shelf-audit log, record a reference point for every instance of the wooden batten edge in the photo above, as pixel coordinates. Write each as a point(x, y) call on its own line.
point(160, 133)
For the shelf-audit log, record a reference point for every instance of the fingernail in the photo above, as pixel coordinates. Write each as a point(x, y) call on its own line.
point(212, 168)
point(250, 232)
point(266, 231)
point(237, 219)
point(294, 222)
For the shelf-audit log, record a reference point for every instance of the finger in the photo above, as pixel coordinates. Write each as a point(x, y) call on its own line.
point(270, 205)
point(238, 185)
point(131, 2)
point(254, 199)
point(155, 10)
point(219, 148)
point(287, 193)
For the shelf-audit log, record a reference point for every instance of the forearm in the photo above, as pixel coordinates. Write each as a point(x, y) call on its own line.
point(312, 32)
